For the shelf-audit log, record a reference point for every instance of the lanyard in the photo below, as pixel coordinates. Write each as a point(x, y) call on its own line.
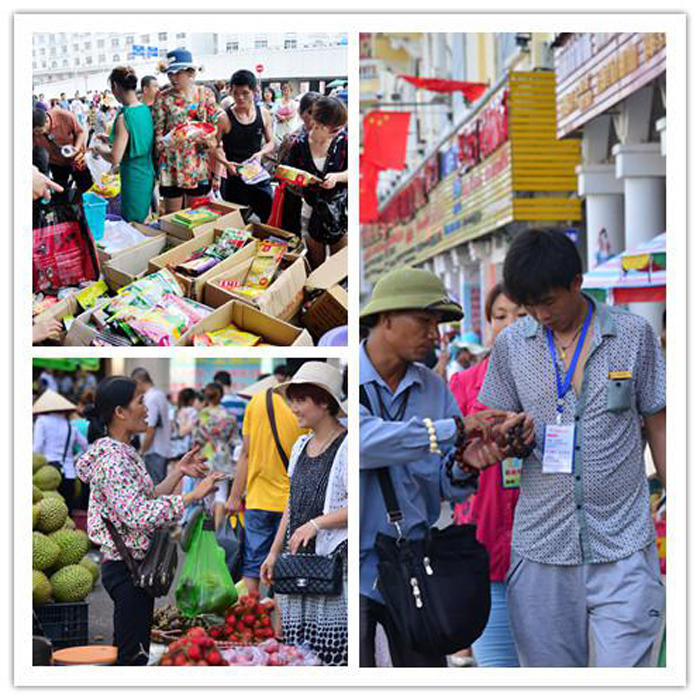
point(562, 388)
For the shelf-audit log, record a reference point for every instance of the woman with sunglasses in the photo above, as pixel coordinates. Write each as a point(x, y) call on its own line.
point(323, 152)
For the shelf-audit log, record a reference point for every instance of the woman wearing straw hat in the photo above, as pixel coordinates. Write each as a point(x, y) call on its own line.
point(56, 438)
point(121, 490)
point(316, 517)
point(184, 168)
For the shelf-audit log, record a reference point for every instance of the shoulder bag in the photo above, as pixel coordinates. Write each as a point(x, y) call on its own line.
point(436, 589)
point(304, 574)
point(155, 573)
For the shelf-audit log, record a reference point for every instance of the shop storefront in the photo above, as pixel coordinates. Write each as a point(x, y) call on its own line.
point(501, 170)
point(611, 92)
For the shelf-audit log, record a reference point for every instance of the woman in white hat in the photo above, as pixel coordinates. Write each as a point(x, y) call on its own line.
point(56, 438)
point(315, 520)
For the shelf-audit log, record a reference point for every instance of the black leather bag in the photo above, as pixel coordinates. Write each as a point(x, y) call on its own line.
point(437, 590)
point(155, 573)
point(308, 574)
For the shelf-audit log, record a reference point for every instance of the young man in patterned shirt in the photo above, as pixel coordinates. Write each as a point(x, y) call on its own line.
point(584, 562)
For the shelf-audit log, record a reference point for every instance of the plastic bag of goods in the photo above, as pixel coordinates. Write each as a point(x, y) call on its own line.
point(205, 584)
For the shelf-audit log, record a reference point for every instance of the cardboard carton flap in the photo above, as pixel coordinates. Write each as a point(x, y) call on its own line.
point(330, 272)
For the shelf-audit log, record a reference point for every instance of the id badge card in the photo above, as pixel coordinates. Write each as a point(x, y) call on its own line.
point(559, 444)
point(510, 472)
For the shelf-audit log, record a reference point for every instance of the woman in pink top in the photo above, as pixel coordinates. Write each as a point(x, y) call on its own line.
point(492, 507)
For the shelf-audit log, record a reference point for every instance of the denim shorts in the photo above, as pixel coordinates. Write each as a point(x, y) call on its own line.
point(260, 530)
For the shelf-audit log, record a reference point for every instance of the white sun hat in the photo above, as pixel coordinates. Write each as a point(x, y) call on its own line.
point(322, 375)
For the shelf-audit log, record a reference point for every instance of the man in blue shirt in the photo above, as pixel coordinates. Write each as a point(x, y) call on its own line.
point(403, 315)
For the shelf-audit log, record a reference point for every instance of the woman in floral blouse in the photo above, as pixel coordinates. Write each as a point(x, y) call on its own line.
point(215, 432)
point(122, 491)
point(184, 168)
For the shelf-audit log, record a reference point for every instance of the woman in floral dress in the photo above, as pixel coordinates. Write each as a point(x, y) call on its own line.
point(122, 491)
point(316, 518)
point(215, 433)
point(184, 168)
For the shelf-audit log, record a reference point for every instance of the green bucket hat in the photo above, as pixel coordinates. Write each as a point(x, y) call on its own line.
point(408, 288)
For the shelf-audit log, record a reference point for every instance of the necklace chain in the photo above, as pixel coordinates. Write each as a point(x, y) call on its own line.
point(327, 442)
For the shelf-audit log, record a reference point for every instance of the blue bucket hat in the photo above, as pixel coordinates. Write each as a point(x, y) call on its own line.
point(177, 60)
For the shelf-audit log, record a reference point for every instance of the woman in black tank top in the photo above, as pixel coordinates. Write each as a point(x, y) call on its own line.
point(244, 132)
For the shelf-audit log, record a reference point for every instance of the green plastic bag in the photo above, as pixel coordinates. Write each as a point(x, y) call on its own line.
point(205, 584)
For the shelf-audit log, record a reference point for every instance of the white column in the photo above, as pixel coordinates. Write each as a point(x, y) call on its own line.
point(643, 170)
point(605, 213)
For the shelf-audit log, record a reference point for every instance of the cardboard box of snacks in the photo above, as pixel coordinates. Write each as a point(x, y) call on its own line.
point(329, 301)
point(147, 231)
point(273, 331)
point(229, 215)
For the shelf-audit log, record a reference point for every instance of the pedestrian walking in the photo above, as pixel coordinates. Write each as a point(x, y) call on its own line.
point(57, 439)
point(584, 560)
point(155, 444)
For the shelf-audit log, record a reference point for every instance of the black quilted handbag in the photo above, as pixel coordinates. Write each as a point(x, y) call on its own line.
point(308, 574)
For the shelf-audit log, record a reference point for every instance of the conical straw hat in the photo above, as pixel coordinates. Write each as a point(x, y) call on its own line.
point(51, 402)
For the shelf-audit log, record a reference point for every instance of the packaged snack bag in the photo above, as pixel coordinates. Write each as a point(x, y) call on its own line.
point(233, 337)
point(252, 172)
point(265, 264)
point(90, 296)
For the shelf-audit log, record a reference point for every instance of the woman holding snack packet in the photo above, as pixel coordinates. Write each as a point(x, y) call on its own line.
point(185, 117)
point(245, 138)
point(492, 507)
point(130, 145)
point(315, 519)
point(122, 492)
point(323, 152)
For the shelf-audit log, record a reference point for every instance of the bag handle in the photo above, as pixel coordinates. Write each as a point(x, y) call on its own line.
point(273, 425)
point(393, 510)
point(121, 548)
point(65, 449)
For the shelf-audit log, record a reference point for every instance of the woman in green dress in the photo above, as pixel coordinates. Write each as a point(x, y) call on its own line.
point(130, 145)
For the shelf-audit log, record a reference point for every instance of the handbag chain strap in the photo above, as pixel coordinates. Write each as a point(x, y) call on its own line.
point(394, 512)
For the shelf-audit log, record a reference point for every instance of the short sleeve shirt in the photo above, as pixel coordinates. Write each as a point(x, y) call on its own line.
point(158, 418)
point(600, 512)
point(268, 483)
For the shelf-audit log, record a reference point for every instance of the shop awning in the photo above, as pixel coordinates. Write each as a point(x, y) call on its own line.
point(638, 274)
point(91, 364)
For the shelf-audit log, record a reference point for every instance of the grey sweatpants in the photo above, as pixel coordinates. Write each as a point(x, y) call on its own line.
point(556, 610)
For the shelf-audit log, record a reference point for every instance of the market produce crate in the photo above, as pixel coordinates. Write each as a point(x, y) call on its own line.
point(65, 624)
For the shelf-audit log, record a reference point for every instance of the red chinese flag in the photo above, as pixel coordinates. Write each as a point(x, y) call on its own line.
point(385, 135)
point(471, 91)
point(369, 174)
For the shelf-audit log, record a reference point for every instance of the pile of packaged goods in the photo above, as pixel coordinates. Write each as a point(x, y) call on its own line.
point(229, 242)
point(150, 311)
point(229, 336)
point(195, 217)
point(261, 272)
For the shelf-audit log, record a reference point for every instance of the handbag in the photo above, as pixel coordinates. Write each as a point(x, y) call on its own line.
point(63, 251)
point(308, 574)
point(329, 218)
point(155, 573)
point(436, 589)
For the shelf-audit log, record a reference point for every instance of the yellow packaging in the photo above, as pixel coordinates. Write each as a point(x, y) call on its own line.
point(89, 296)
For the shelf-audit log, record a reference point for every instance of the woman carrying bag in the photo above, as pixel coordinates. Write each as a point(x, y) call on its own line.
point(315, 520)
point(56, 439)
point(121, 492)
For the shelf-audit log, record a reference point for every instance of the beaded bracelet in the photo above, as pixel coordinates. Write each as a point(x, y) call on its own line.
point(432, 436)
